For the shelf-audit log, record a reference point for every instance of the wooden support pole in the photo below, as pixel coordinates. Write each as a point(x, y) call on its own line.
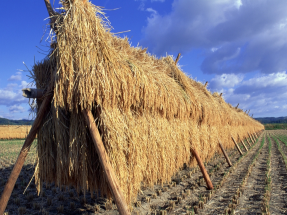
point(105, 162)
point(244, 145)
point(248, 142)
point(251, 138)
point(225, 154)
point(46, 104)
point(220, 94)
point(254, 141)
point(205, 84)
point(237, 106)
point(254, 137)
point(177, 58)
point(237, 146)
point(203, 170)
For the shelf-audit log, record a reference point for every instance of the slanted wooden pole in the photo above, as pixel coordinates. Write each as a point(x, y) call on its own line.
point(106, 165)
point(237, 146)
point(177, 58)
point(220, 95)
point(46, 104)
point(205, 84)
point(237, 106)
point(254, 141)
point(254, 137)
point(251, 138)
point(202, 168)
point(225, 154)
point(244, 145)
point(248, 142)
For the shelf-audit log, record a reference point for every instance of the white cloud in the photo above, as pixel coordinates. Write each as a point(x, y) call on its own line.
point(17, 77)
point(24, 84)
point(154, 12)
point(267, 84)
point(238, 4)
point(12, 94)
point(225, 81)
point(251, 34)
point(264, 95)
point(16, 109)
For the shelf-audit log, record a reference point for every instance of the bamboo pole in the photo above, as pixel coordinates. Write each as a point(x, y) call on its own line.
point(225, 154)
point(203, 170)
point(105, 162)
point(24, 152)
point(237, 146)
point(244, 145)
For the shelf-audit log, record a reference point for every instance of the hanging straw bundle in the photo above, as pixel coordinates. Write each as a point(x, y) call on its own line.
point(149, 113)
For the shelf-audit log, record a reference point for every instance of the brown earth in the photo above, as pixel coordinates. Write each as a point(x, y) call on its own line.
point(188, 193)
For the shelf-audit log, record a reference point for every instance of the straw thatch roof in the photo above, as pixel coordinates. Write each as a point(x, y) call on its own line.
point(149, 113)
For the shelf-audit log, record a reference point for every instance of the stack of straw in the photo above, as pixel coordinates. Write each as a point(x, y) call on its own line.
point(149, 113)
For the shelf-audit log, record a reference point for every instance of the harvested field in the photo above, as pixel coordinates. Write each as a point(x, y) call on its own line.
point(9, 132)
point(239, 189)
point(243, 188)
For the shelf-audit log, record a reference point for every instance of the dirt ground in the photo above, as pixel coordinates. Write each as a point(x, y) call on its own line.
point(240, 189)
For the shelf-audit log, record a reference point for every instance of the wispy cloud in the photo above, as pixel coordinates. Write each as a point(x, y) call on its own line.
point(264, 95)
point(238, 36)
point(17, 77)
point(16, 109)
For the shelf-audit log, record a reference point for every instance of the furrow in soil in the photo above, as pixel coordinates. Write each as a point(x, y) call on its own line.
point(278, 200)
point(251, 200)
point(223, 196)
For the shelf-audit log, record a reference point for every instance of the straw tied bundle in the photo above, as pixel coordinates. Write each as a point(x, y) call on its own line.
point(149, 113)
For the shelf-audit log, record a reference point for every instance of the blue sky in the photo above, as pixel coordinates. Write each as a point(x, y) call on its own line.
point(238, 46)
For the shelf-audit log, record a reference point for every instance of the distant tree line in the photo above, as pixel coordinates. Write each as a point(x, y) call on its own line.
point(271, 120)
point(4, 121)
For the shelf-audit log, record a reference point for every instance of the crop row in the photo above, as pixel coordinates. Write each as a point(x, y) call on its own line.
point(267, 194)
point(204, 200)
